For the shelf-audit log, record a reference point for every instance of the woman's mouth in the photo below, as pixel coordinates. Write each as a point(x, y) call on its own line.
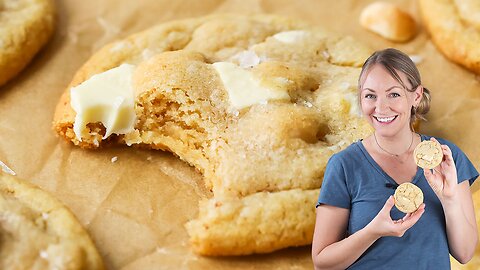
point(385, 120)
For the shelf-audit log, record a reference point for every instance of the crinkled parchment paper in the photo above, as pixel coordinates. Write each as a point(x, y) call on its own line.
point(135, 207)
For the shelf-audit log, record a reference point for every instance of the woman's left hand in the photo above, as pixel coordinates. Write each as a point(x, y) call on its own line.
point(443, 179)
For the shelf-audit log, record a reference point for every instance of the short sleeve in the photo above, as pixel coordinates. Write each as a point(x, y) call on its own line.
point(334, 189)
point(465, 168)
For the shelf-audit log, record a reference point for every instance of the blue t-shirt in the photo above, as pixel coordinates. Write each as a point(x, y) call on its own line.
point(353, 180)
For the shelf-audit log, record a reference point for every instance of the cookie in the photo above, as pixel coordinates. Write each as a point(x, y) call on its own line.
point(257, 229)
point(388, 21)
point(259, 110)
point(454, 27)
point(38, 232)
point(408, 197)
point(428, 154)
point(26, 28)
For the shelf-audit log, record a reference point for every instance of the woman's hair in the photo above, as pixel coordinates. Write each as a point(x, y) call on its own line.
point(394, 60)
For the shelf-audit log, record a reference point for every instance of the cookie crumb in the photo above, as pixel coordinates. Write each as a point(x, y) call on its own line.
point(6, 169)
point(149, 158)
point(114, 159)
point(43, 254)
point(326, 55)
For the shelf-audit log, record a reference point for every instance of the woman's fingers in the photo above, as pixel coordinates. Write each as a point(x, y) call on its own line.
point(410, 220)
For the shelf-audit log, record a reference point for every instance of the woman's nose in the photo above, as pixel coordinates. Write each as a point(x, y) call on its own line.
point(381, 105)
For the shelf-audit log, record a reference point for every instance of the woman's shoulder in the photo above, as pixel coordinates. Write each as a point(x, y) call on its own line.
point(450, 144)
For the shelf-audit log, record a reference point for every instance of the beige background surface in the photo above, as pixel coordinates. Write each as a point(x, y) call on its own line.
point(135, 208)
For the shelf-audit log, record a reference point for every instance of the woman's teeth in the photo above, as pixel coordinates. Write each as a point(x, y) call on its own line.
point(385, 119)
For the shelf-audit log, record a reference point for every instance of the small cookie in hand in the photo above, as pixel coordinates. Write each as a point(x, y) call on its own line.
point(428, 154)
point(408, 197)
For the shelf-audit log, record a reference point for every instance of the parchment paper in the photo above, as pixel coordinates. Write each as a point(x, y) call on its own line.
point(135, 208)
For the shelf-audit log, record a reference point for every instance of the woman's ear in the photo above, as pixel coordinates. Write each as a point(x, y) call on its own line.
point(418, 95)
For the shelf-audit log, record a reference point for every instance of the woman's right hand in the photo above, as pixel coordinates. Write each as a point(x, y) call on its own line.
point(383, 225)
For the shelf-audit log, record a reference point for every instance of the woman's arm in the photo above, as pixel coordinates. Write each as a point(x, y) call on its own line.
point(329, 251)
point(457, 205)
point(461, 226)
point(330, 248)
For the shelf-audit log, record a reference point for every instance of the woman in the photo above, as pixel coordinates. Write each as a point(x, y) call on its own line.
point(357, 225)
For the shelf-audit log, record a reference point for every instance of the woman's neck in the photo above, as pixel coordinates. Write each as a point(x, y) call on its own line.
point(395, 145)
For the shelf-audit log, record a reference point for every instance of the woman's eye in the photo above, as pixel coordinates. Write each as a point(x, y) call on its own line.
point(369, 96)
point(394, 94)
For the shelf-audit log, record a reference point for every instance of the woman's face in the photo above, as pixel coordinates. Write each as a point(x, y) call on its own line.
point(385, 103)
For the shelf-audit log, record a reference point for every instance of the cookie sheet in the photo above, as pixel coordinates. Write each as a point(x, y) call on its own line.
point(134, 202)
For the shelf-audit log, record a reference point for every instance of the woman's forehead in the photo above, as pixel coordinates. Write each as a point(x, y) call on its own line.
point(378, 78)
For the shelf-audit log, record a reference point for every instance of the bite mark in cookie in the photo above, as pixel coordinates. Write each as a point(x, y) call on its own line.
point(257, 112)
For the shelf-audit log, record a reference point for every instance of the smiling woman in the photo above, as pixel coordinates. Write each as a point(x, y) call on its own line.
point(357, 226)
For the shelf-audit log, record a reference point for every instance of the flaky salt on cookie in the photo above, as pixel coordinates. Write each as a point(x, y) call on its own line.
point(428, 154)
point(408, 197)
point(388, 21)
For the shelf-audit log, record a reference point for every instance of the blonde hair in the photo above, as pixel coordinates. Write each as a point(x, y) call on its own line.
point(394, 60)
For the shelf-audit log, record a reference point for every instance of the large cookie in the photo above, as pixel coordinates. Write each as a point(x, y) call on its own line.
point(26, 26)
point(260, 109)
point(38, 232)
point(454, 26)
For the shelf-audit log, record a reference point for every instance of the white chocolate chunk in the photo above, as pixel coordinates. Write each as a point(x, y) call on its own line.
point(6, 169)
point(242, 87)
point(107, 98)
point(290, 36)
point(354, 105)
point(247, 59)
point(428, 158)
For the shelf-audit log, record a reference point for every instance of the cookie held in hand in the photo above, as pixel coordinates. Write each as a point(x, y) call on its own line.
point(428, 154)
point(408, 197)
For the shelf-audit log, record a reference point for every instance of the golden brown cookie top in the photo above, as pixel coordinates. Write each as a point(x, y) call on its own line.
point(38, 232)
point(408, 197)
point(428, 154)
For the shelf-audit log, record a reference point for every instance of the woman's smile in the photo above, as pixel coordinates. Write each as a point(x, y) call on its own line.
point(385, 120)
